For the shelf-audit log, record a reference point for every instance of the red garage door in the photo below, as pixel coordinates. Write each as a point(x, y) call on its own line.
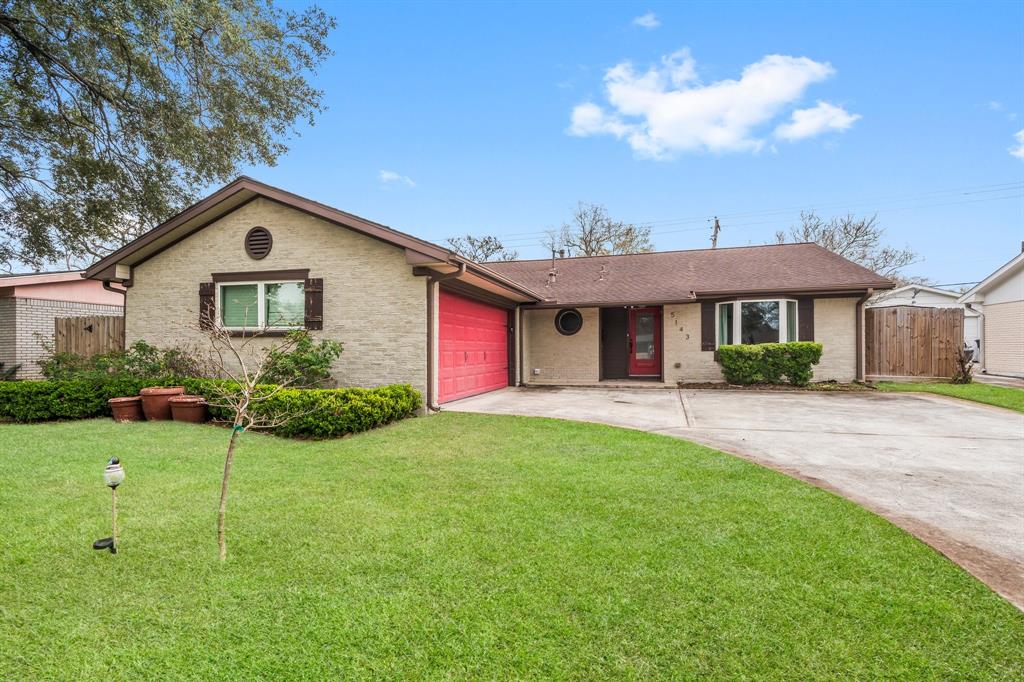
point(472, 347)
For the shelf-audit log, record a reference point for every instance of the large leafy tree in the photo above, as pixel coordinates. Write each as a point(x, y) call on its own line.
point(113, 113)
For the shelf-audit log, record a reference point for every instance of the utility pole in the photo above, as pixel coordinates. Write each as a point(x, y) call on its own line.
point(714, 234)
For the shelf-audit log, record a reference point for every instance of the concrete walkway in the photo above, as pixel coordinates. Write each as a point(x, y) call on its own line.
point(950, 472)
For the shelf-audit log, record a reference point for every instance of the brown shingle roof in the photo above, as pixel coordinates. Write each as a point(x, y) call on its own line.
point(669, 276)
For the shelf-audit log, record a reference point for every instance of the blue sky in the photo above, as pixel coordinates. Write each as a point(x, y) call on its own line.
point(909, 110)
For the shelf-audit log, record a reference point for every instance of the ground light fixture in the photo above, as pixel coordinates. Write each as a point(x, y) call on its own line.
point(113, 476)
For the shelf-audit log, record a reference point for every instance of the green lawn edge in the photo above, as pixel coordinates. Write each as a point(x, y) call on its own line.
point(989, 394)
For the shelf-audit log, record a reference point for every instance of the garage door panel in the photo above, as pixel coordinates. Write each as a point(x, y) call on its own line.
point(472, 346)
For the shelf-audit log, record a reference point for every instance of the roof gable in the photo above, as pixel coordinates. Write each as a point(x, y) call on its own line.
point(243, 190)
point(1015, 265)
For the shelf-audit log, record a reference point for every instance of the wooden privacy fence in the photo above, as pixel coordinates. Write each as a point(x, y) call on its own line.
point(88, 336)
point(905, 341)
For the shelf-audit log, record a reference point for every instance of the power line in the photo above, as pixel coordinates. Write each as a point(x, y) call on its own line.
point(522, 241)
point(526, 237)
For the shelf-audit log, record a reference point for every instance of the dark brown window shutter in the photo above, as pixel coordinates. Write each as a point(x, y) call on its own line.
point(805, 318)
point(707, 325)
point(207, 314)
point(314, 288)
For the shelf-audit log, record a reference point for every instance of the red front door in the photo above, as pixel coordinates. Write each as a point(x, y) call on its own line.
point(472, 347)
point(644, 342)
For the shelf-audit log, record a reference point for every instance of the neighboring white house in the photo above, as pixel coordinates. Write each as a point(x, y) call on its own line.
point(1000, 300)
point(923, 296)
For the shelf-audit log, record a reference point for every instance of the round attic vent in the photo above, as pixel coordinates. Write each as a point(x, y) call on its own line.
point(258, 242)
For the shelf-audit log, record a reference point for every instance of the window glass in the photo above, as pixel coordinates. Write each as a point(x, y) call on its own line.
point(285, 304)
point(568, 321)
point(238, 305)
point(725, 324)
point(791, 334)
point(759, 321)
point(644, 336)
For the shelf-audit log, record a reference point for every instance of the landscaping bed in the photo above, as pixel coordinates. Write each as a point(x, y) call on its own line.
point(463, 547)
point(318, 413)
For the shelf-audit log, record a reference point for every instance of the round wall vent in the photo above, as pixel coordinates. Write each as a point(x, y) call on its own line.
point(258, 242)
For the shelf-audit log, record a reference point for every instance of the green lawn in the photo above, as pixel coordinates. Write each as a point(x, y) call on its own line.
point(464, 546)
point(1000, 396)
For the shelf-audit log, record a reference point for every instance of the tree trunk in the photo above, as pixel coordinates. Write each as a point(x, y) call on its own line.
point(221, 537)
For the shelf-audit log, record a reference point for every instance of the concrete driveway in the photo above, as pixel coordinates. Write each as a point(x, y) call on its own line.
point(948, 471)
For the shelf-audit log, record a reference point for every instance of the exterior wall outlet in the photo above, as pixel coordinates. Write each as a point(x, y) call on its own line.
point(536, 371)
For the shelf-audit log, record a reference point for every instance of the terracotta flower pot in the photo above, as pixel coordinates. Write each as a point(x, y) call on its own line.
point(188, 408)
point(154, 401)
point(126, 409)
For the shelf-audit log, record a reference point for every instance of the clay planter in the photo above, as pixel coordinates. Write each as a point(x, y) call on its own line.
point(154, 401)
point(126, 409)
point(188, 408)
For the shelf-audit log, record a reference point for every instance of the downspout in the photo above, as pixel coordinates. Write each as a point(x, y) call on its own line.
point(431, 281)
point(981, 336)
point(124, 308)
point(859, 308)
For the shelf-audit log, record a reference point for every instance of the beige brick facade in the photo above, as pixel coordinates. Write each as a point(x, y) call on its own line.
point(835, 328)
point(682, 347)
point(373, 303)
point(26, 329)
point(575, 359)
point(560, 359)
point(1004, 337)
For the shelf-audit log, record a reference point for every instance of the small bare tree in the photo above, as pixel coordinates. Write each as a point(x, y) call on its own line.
point(247, 366)
point(481, 249)
point(591, 232)
point(858, 239)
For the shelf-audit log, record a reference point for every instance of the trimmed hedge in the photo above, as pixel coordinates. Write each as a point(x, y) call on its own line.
point(322, 413)
point(768, 363)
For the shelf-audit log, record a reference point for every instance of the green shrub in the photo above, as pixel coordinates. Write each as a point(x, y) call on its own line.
point(139, 361)
point(769, 363)
point(319, 413)
point(305, 364)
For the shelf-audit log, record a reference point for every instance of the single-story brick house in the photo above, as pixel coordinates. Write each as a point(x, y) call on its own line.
point(414, 312)
point(29, 304)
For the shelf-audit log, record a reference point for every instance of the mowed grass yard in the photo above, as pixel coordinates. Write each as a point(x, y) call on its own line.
point(1000, 396)
point(464, 546)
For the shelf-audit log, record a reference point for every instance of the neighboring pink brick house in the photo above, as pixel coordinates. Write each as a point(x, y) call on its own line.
point(29, 304)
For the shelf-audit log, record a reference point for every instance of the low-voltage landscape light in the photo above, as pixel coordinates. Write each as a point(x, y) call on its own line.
point(113, 476)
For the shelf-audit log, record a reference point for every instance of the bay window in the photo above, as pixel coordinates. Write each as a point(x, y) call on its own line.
point(261, 305)
point(758, 321)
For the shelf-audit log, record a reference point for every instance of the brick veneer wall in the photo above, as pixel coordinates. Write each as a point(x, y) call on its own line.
point(835, 328)
point(27, 328)
point(575, 359)
point(682, 345)
point(560, 358)
point(373, 303)
point(8, 332)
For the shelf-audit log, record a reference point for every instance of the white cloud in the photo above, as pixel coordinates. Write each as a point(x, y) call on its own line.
point(995, 105)
point(1018, 148)
point(667, 109)
point(649, 21)
point(806, 123)
point(388, 177)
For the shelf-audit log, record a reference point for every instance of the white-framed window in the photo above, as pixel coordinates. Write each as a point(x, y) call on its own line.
point(277, 305)
point(770, 320)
